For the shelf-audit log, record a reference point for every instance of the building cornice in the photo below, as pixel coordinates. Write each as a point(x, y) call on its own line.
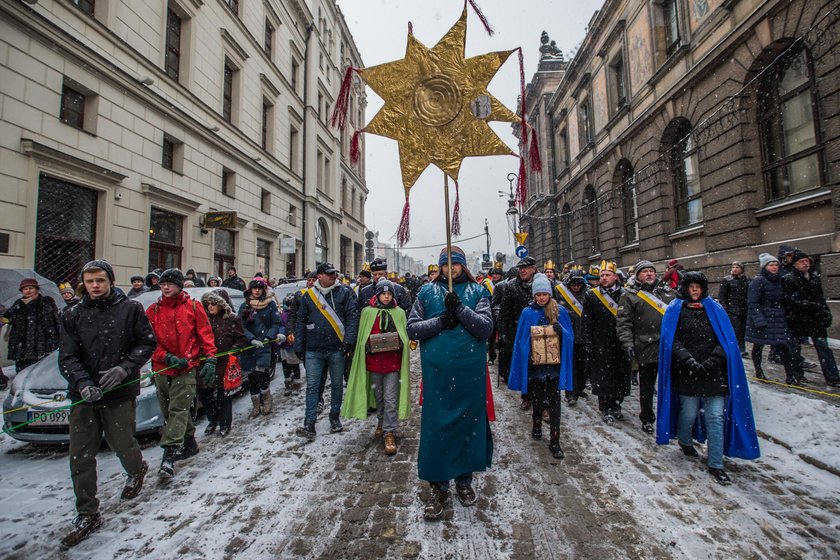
point(59, 159)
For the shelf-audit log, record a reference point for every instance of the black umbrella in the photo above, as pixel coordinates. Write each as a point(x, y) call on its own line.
point(10, 286)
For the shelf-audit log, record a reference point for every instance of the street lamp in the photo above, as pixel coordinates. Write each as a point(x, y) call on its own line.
point(512, 212)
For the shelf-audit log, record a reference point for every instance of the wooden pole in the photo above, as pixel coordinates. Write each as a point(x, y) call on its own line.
point(448, 231)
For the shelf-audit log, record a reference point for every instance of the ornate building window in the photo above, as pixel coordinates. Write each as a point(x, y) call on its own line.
point(321, 241)
point(788, 117)
point(686, 176)
point(623, 181)
point(591, 228)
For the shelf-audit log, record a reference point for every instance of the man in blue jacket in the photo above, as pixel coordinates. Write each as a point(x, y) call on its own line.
point(325, 332)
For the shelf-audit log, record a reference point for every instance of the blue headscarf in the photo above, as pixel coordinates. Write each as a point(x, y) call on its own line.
point(534, 315)
point(739, 435)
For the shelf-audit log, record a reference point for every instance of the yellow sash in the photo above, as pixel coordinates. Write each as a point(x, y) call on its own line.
point(570, 299)
point(653, 301)
point(489, 285)
point(327, 311)
point(607, 301)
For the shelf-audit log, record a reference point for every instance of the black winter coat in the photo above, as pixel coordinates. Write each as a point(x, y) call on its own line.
point(34, 328)
point(234, 283)
point(100, 334)
point(732, 295)
point(766, 322)
point(696, 339)
point(806, 311)
point(514, 298)
point(608, 369)
point(401, 295)
point(229, 335)
point(313, 333)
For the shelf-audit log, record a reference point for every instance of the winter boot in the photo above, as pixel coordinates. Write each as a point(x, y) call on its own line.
point(759, 373)
point(436, 504)
point(833, 382)
point(255, 399)
point(554, 446)
point(134, 484)
point(167, 464)
point(377, 433)
point(525, 404)
point(287, 386)
point(794, 381)
point(83, 526)
point(689, 451)
point(466, 495)
point(223, 432)
point(307, 430)
point(210, 428)
point(720, 476)
point(536, 428)
point(647, 427)
point(335, 424)
point(390, 443)
point(188, 449)
point(609, 418)
point(266, 401)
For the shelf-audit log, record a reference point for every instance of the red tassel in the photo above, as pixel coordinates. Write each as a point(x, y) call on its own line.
point(487, 26)
point(354, 146)
point(339, 116)
point(534, 158)
point(456, 212)
point(403, 233)
point(521, 184)
point(522, 108)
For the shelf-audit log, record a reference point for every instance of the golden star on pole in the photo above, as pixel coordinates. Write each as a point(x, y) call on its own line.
point(437, 105)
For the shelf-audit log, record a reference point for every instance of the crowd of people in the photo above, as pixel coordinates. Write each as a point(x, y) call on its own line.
point(554, 335)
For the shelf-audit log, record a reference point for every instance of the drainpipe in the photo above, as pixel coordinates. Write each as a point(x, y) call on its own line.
point(306, 241)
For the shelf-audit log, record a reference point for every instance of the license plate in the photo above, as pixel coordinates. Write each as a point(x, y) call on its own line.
point(50, 418)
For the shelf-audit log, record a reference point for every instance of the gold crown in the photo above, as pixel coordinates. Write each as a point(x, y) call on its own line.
point(433, 268)
point(365, 267)
point(392, 275)
point(497, 264)
point(594, 270)
point(549, 265)
point(610, 266)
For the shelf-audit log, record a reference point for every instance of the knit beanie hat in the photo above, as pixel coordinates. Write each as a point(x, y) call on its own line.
point(137, 278)
point(383, 286)
point(799, 255)
point(766, 258)
point(66, 288)
point(739, 264)
point(174, 276)
point(458, 256)
point(540, 284)
point(29, 282)
point(641, 265)
point(100, 264)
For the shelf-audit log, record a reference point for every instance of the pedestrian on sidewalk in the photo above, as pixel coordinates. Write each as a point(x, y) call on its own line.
point(325, 332)
point(452, 328)
point(138, 286)
point(197, 282)
point(808, 316)
point(184, 336)
point(68, 295)
point(700, 362)
point(152, 282)
point(766, 323)
point(261, 321)
point(732, 296)
point(514, 298)
point(569, 295)
point(228, 335)
point(214, 282)
point(33, 324)
point(639, 319)
point(102, 367)
point(607, 365)
point(543, 381)
point(290, 361)
point(233, 281)
point(380, 361)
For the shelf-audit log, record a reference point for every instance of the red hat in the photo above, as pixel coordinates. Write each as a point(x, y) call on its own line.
point(28, 282)
point(672, 262)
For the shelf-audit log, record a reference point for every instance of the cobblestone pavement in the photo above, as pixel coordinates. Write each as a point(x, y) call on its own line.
point(263, 493)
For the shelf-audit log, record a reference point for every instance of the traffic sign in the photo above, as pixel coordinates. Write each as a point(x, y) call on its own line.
point(521, 251)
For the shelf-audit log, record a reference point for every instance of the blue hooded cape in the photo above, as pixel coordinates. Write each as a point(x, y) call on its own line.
point(739, 436)
point(531, 316)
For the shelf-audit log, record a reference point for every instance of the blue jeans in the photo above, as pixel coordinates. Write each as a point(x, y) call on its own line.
point(462, 480)
point(315, 364)
point(713, 415)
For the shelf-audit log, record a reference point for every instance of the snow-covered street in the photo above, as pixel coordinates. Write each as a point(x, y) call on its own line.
point(262, 493)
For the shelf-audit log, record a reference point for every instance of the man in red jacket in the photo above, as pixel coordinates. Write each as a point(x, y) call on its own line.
point(183, 336)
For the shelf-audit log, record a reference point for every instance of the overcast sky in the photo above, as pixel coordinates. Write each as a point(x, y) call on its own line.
point(379, 28)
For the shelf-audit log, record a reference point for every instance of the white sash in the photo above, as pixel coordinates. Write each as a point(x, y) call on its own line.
point(328, 312)
point(570, 298)
point(652, 300)
point(608, 301)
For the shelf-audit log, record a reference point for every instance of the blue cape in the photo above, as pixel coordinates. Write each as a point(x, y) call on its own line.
point(531, 316)
point(739, 436)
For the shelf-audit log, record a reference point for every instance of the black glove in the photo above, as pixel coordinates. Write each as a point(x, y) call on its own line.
point(348, 347)
point(110, 378)
point(712, 363)
point(695, 367)
point(452, 302)
point(449, 320)
point(558, 329)
point(629, 353)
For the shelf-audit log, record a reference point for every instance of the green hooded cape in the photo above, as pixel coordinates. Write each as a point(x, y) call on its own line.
point(359, 396)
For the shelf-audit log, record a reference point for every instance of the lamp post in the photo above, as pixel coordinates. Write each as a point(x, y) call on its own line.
point(512, 212)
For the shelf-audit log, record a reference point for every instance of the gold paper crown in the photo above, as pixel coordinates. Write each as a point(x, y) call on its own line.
point(610, 266)
point(433, 268)
point(549, 265)
point(576, 267)
point(392, 275)
point(365, 267)
point(594, 270)
point(497, 264)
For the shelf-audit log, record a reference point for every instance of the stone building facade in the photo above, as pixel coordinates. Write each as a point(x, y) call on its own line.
point(701, 130)
point(123, 124)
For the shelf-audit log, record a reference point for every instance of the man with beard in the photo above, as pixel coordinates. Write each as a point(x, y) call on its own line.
point(606, 364)
point(379, 270)
point(569, 294)
point(515, 298)
point(639, 319)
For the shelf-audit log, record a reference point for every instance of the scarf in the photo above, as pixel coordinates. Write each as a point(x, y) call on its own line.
point(324, 290)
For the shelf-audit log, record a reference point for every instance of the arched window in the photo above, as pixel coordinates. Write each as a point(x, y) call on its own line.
point(566, 239)
point(591, 231)
point(787, 114)
point(322, 241)
point(686, 176)
point(624, 181)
